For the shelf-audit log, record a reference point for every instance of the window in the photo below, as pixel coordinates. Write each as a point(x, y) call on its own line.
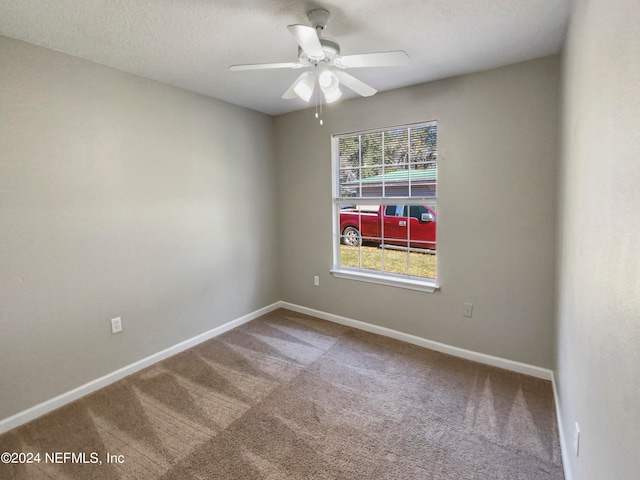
point(385, 206)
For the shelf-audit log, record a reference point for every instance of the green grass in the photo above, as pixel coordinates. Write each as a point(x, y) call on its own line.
point(395, 261)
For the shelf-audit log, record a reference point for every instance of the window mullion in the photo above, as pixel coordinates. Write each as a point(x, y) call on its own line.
point(409, 161)
point(382, 233)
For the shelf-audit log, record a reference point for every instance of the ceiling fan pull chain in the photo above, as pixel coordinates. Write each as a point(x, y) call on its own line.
point(316, 87)
point(318, 94)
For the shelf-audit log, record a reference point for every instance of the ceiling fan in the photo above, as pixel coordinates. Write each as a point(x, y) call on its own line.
point(323, 64)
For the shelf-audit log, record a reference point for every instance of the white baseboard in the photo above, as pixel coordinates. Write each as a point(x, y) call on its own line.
point(565, 447)
point(36, 411)
point(512, 365)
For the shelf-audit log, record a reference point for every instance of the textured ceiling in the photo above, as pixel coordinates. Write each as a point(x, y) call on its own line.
point(191, 43)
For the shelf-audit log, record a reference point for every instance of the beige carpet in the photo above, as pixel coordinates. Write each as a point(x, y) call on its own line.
point(289, 396)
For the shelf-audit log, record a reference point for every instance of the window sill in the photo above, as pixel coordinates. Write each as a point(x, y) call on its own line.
point(426, 285)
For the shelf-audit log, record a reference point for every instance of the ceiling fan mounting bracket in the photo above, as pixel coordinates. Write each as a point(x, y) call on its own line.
point(319, 18)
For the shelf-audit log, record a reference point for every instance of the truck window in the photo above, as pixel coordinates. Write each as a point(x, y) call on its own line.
point(416, 211)
point(393, 211)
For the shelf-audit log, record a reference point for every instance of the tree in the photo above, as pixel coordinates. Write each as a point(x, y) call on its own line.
point(363, 155)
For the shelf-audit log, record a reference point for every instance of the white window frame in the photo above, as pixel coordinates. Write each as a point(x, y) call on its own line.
point(361, 274)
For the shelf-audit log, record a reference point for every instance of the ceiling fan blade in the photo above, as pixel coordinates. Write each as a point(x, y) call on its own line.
point(354, 84)
point(264, 66)
point(380, 59)
point(308, 40)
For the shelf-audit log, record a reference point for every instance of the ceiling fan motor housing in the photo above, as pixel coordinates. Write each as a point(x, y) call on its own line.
point(330, 48)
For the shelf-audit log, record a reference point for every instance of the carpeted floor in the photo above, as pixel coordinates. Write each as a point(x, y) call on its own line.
point(288, 396)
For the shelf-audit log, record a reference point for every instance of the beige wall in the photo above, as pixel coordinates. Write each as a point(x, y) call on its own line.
point(599, 238)
point(120, 196)
point(497, 136)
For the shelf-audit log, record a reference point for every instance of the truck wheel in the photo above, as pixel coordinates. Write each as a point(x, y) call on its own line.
point(351, 236)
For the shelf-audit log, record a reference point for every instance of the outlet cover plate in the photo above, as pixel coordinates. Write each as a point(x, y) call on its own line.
point(116, 325)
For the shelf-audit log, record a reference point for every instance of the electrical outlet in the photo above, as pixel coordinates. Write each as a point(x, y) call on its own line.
point(576, 440)
point(316, 280)
point(116, 325)
point(468, 310)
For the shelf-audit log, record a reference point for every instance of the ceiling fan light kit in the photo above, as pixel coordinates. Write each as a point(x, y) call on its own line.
point(329, 83)
point(326, 66)
point(304, 86)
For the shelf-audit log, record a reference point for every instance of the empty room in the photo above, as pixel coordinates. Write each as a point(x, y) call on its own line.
point(336, 240)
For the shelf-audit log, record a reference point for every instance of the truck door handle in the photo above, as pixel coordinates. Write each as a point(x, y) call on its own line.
point(402, 223)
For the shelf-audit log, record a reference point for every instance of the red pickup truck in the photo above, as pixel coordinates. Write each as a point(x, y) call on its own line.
point(389, 224)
